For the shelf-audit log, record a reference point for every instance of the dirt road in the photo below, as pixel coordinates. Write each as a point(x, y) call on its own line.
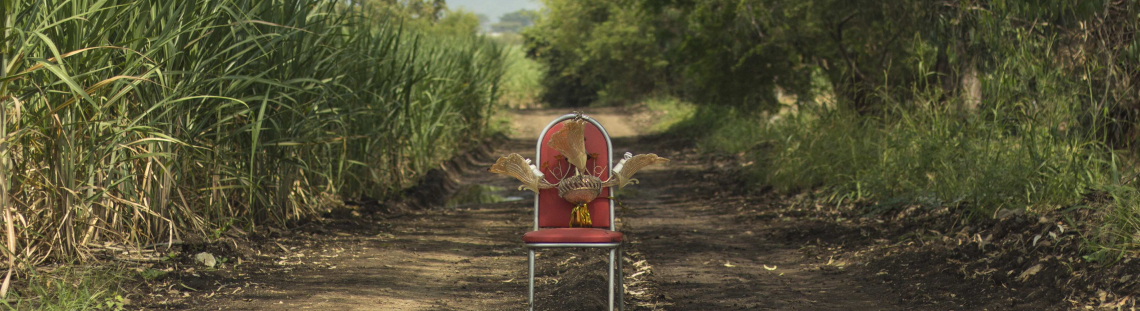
point(696, 241)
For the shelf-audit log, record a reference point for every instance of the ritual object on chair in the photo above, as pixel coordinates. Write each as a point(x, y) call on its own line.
point(584, 185)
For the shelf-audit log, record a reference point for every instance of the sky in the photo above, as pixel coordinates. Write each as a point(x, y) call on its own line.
point(493, 8)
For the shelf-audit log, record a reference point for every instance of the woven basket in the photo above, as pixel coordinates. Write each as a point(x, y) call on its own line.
point(579, 189)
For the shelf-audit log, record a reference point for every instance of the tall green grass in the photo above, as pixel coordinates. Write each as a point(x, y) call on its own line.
point(521, 81)
point(72, 287)
point(1047, 131)
point(135, 122)
point(1035, 142)
point(931, 157)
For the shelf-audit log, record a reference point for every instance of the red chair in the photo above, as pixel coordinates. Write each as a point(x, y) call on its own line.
point(552, 213)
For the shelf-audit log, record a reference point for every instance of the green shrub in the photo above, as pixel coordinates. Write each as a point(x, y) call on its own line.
point(521, 82)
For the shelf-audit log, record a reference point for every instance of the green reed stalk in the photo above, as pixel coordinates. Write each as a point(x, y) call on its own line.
point(146, 121)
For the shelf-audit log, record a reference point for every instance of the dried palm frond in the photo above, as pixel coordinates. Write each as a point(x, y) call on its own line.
point(570, 141)
point(629, 165)
point(515, 166)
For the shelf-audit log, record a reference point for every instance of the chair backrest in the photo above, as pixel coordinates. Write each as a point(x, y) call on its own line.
point(550, 210)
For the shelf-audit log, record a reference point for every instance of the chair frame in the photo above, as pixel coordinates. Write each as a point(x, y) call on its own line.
point(615, 248)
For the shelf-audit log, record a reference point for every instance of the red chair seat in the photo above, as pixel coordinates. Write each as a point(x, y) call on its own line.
point(572, 235)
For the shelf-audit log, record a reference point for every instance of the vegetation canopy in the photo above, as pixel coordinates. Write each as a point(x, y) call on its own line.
point(981, 105)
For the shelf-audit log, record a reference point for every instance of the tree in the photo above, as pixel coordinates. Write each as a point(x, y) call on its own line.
point(514, 22)
point(595, 50)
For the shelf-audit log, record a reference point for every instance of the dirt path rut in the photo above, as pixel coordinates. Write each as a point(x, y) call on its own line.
point(467, 257)
point(687, 250)
point(705, 258)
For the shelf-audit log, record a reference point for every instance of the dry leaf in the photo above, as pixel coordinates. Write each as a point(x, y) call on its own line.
point(766, 267)
point(1029, 272)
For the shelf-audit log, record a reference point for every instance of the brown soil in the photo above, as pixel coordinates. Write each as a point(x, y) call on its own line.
point(696, 240)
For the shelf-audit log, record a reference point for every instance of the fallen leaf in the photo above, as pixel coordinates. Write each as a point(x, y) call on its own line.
point(766, 267)
point(1029, 272)
point(729, 264)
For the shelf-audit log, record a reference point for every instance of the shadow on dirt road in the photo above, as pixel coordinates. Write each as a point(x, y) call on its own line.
point(697, 240)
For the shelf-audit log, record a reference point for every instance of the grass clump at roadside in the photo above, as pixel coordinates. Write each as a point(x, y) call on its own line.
point(667, 111)
point(930, 157)
point(71, 287)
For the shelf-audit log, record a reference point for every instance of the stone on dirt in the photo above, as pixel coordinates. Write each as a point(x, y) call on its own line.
point(205, 259)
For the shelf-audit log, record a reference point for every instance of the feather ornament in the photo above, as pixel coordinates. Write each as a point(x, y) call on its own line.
point(516, 166)
point(570, 141)
point(623, 173)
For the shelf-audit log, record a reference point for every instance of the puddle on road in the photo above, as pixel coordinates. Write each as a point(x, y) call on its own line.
point(480, 194)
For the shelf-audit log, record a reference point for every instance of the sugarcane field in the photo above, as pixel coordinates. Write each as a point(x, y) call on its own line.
point(573, 155)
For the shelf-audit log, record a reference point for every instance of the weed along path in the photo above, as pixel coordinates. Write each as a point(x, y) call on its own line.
point(696, 240)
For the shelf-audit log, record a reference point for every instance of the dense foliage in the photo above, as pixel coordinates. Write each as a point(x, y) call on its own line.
point(136, 122)
point(594, 50)
point(981, 104)
point(733, 52)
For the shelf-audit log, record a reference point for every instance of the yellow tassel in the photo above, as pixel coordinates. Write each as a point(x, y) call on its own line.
point(580, 216)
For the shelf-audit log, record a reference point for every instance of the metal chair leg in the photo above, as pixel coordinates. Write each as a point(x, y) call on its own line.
point(612, 252)
point(620, 281)
point(530, 279)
